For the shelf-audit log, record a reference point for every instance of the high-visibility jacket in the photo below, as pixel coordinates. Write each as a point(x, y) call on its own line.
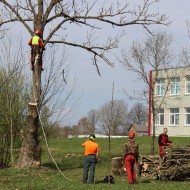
point(36, 41)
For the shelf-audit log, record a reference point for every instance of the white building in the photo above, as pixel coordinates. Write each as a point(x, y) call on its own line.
point(171, 95)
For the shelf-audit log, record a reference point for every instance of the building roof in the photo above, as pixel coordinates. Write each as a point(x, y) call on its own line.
point(140, 127)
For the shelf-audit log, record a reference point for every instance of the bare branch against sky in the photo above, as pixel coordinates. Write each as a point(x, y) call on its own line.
point(76, 28)
point(56, 17)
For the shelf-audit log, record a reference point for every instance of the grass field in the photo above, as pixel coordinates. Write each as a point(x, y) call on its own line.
point(48, 177)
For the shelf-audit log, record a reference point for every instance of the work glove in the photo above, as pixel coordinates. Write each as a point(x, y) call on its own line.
point(169, 144)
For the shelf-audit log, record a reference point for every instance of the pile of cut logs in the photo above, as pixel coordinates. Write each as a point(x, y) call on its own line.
point(148, 166)
point(175, 166)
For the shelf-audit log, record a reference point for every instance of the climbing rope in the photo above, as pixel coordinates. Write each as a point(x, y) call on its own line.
point(45, 134)
point(48, 146)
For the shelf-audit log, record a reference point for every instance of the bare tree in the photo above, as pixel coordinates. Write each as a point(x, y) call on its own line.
point(66, 131)
point(113, 115)
point(56, 91)
point(184, 52)
point(14, 95)
point(138, 114)
point(84, 126)
point(58, 17)
point(188, 27)
point(185, 57)
point(153, 54)
point(92, 118)
point(14, 61)
point(16, 88)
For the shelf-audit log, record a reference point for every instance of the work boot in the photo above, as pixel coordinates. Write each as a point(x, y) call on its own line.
point(40, 66)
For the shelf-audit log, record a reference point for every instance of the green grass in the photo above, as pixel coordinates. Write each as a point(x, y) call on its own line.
point(48, 177)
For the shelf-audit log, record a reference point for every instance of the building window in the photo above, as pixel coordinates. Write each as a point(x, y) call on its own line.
point(174, 116)
point(160, 87)
point(160, 117)
point(187, 116)
point(187, 85)
point(175, 87)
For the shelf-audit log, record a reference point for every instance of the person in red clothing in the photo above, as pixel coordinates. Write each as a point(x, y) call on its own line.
point(90, 158)
point(36, 44)
point(130, 154)
point(163, 141)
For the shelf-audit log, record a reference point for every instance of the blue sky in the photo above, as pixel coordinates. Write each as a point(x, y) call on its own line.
point(94, 90)
point(97, 90)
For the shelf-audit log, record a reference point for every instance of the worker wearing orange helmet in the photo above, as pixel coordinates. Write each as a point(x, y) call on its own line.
point(36, 42)
point(130, 154)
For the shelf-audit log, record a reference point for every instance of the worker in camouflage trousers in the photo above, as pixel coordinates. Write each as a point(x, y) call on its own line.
point(130, 154)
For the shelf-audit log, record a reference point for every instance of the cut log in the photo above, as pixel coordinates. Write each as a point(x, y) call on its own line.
point(117, 166)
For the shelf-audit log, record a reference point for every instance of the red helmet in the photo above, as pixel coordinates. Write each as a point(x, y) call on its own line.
point(131, 135)
point(38, 32)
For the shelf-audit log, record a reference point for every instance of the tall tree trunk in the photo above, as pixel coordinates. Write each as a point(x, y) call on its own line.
point(30, 154)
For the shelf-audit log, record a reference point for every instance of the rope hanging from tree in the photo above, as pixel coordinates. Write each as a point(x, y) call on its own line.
point(36, 104)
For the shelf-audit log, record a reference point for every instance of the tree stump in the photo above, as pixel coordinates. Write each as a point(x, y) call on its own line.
point(30, 151)
point(117, 166)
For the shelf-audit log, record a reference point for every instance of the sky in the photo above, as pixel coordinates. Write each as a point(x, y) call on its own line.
point(92, 90)
point(97, 90)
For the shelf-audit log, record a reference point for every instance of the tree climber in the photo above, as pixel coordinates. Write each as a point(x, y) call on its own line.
point(36, 43)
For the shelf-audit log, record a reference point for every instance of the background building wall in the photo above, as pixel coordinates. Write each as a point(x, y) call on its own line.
point(180, 101)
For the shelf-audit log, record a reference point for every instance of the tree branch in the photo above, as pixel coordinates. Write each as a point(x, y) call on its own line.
point(32, 8)
point(13, 20)
point(90, 49)
point(48, 10)
point(17, 14)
